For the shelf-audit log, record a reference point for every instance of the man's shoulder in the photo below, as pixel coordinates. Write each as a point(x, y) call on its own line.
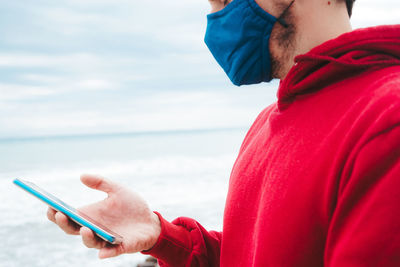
point(376, 90)
point(386, 83)
point(259, 122)
point(378, 104)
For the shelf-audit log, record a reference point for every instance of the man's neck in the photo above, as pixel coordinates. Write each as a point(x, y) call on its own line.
point(319, 22)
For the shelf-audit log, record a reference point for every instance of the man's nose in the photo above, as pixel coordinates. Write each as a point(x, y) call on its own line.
point(217, 5)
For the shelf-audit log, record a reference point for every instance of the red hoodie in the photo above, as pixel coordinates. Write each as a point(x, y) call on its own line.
point(317, 179)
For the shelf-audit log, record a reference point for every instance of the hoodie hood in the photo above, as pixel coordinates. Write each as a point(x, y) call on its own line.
point(348, 55)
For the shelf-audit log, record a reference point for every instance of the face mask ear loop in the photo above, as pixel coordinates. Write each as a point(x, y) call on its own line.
point(280, 18)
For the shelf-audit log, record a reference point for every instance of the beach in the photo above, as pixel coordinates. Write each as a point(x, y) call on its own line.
point(179, 173)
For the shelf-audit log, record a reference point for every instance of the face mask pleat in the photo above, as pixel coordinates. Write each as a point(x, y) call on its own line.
point(238, 38)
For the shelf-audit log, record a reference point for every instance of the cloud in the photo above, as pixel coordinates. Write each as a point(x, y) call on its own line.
point(94, 84)
point(15, 91)
point(171, 23)
point(73, 66)
point(24, 59)
point(164, 110)
point(40, 78)
point(370, 13)
point(53, 86)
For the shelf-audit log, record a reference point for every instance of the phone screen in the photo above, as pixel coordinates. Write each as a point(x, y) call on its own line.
point(75, 215)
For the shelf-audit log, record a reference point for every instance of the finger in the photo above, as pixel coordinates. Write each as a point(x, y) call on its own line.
point(99, 183)
point(51, 213)
point(90, 239)
point(110, 251)
point(66, 224)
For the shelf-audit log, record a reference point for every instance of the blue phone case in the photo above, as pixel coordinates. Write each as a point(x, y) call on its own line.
point(80, 218)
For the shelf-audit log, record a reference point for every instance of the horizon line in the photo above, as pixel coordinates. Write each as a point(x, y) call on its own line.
point(116, 134)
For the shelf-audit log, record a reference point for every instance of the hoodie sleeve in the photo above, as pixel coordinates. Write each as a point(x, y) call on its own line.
point(184, 242)
point(365, 226)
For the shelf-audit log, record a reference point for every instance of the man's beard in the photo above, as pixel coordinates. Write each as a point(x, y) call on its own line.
point(284, 40)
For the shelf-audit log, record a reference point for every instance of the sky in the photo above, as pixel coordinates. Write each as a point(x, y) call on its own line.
point(70, 67)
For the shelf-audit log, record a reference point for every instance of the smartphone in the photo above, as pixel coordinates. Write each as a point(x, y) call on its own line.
point(75, 215)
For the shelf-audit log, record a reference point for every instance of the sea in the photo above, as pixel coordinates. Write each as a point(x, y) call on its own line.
point(179, 173)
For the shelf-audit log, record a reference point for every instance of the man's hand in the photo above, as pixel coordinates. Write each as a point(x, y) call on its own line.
point(217, 5)
point(122, 211)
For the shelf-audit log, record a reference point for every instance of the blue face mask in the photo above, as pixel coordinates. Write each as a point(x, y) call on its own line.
point(238, 37)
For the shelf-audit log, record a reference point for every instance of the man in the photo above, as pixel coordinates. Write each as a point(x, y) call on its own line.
point(317, 179)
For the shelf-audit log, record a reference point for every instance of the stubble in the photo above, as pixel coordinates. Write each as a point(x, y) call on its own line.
point(282, 46)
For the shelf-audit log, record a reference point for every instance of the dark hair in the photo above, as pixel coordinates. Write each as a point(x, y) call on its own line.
point(349, 5)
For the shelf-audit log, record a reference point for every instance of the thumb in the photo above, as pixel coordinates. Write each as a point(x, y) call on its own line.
point(99, 183)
